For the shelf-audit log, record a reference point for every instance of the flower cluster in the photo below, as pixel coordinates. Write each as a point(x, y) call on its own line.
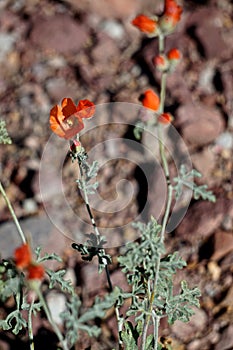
point(165, 24)
point(23, 261)
point(67, 120)
point(151, 100)
point(167, 63)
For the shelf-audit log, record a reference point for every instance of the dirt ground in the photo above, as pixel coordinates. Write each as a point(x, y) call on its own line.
point(83, 49)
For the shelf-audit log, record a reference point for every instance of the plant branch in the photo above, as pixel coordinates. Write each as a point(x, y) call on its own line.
point(30, 330)
point(16, 221)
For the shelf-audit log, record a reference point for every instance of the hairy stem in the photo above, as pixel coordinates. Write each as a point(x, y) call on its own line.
point(86, 199)
point(16, 221)
point(30, 331)
point(155, 318)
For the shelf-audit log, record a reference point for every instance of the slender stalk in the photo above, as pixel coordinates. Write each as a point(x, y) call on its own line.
point(155, 318)
point(16, 221)
point(86, 199)
point(156, 321)
point(30, 331)
point(51, 321)
point(144, 331)
point(161, 43)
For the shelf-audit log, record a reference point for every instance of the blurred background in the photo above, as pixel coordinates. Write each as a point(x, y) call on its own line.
point(83, 49)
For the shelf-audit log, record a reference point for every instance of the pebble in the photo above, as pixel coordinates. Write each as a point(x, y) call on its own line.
point(6, 43)
point(225, 140)
point(113, 28)
point(57, 305)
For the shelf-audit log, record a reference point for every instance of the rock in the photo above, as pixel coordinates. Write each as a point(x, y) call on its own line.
point(210, 37)
point(204, 162)
point(119, 9)
point(57, 305)
point(207, 24)
point(200, 124)
point(7, 42)
point(37, 229)
point(60, 33)
point(225, 140)
point(58, 88)
point(105, 51)
point(226, 342)
point(223, 245)
point(202, 219)
point(113, 29)
point(186, 331)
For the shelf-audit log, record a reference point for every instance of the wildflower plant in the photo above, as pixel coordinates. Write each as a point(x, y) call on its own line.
point(148, 268)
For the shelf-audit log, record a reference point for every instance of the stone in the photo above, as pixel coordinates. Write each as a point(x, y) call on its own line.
point(202, 219)
point(223, 245)
point(226, 342)
point(186, 331)
point(200, 125)
point(60, 33)
point(7, 42)
point(207, 24)
point(57, 305)
point(204, 162)
point(119, 9)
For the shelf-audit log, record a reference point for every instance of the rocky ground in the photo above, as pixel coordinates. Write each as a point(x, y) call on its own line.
point(82, 49)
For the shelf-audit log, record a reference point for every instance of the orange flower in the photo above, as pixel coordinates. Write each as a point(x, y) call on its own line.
point(23, 256)
point(35, 272)
point(165, 118)
point(171, 16)
point(145, 24)
point(86, 108)
point(173, 11)
point(150, 100)
point(174, 54)
point(66, 121)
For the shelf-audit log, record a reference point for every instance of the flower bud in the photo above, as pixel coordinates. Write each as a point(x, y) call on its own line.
point(174, 54)
point(146, 25)
point(171, 16)
point(22, 256)
point(151, 100)
point(174, 57)
point(165, 118)
point(161, 63)
point(35, 272)
point(75, 146)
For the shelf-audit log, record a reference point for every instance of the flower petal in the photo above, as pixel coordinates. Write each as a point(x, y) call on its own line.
point(23, 256)
point(144, 24)
point(85, 109)
point(151, 100)
point(68, 107)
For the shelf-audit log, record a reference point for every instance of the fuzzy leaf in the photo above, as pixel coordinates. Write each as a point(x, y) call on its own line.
point(4, 136)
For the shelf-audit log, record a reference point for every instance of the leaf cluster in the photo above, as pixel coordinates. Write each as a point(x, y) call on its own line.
point(76, 319)
point(144, 263)
point(185, 179)
point(4, 136)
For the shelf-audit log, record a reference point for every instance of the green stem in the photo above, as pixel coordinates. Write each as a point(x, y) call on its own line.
point(50, 319)
point(86, 199)
point(161, 44)
point(16, 221)
point(30, 331)
point(167, 209)
point(144, 332)
point(156, 321)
